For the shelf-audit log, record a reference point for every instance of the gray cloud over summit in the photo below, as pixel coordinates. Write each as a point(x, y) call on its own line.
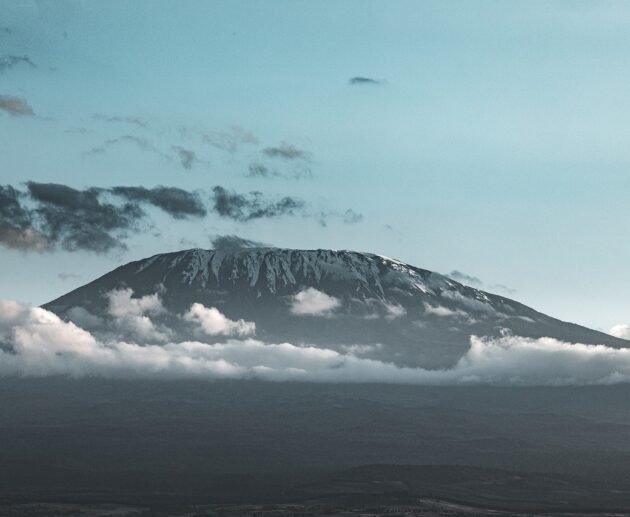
point(253, 205)
point(50, 216)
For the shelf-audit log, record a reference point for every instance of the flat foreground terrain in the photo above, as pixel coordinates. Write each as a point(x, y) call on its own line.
point(166, 446)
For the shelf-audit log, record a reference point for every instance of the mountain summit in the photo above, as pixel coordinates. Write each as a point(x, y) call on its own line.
point(376, 306)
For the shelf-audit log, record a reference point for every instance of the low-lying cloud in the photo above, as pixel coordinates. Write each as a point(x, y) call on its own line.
point(311, 302)
point(213, 322)
point(621, 331)
point(36, 342)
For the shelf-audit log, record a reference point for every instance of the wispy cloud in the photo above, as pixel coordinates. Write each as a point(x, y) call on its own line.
point(9, 62)
point(234, 242)
point(68, 276)
point(361, 80)
point(286, 151)
point(134, 121)
point(473, 281)
point(229, 141)
point(16, 106)
point(253, 205)
point(140, 142)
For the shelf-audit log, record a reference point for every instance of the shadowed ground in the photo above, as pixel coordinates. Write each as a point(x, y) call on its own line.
point(183, 442)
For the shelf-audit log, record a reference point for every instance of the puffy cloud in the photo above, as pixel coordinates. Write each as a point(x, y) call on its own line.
point(621, 331)
point(132, 315)
point(35, 342)
point(16, 106)
point(312, 302)
point(214, 323)
point(122, 304)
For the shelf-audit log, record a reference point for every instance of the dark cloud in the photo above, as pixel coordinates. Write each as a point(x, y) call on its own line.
point(234, 242)
point(135, 121)
point(358, 80)
point(9, 61)
point(257, 170)
point(16, 229)
point(176, 202)
point(94, 219)
point(245, 207)
point(299, 171)
point(187, 157)
point(286, 152)
point(16, 106)
point(79, 220)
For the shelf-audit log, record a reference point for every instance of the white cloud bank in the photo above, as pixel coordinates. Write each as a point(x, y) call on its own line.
point(132, 315)
point(312, 302)
point(214, 323)
point(35, 342)
point(621, 331)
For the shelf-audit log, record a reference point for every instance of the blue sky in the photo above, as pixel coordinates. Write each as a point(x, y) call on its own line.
point(493, 139)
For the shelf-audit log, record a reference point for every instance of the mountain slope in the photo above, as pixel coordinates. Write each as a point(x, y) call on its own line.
point(378, 307)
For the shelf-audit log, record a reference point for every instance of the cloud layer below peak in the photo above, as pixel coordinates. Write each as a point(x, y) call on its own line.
point(35, 342)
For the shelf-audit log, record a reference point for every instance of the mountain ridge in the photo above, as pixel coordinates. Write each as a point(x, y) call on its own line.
point(407, 315)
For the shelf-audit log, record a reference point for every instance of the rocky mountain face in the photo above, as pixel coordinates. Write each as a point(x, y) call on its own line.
point(374, 306)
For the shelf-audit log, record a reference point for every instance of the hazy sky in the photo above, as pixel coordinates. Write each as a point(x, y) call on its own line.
point(485, 137)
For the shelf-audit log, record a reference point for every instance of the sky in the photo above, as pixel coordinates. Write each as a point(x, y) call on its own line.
point(484, 137)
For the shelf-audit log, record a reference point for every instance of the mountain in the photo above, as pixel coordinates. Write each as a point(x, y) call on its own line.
point(375, 306)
